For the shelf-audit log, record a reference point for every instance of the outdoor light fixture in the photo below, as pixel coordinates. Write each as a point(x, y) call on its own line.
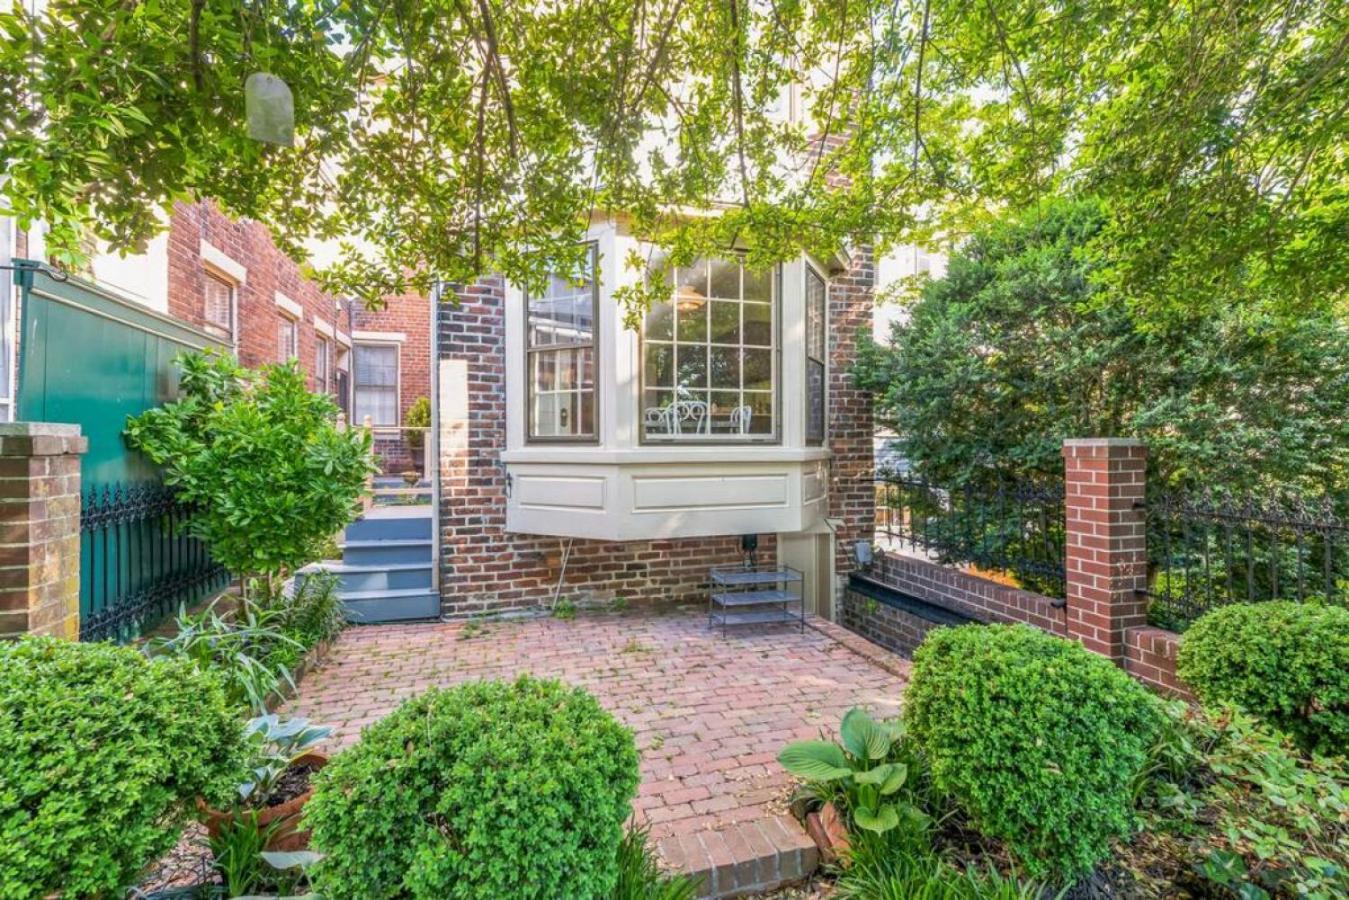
point(270, 109)
point(861, 551)
point(749, 545)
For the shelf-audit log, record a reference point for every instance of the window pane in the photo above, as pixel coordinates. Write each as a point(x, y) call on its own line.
point(759, 285)
point(692, 320)
point(660, 322)
point(380, 404)
point(659, 365)
point(761, 407)
point(727, 416)
point(726, 367)
point(376, 383)
point(691, 281)
point(692, 365)
point(725, 277)
point(376, 365)
point(285, 339)
point(725, 322)
point(759, 370)
point(564, 313)
point(814, 400)
point(759, 324)
point(815, 315)
point(219, 303)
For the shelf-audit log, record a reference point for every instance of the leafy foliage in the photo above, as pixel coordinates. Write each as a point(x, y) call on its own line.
point(865, 774)
point(488, 789)
point(1256, 817)
point(1283, 662)
point(314, 611)
point(104, 753)
point(1036, 738)
point(274, 745)
point(640, 876)
point(259, 458)
point(1019, 347)
point(881, 869)
point(470, 138)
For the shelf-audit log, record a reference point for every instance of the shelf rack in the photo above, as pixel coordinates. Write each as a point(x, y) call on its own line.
point(755, 595)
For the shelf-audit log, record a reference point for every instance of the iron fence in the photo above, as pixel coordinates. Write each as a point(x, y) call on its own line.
point(1015, 529)
point(139, 563)
point(1208, 550)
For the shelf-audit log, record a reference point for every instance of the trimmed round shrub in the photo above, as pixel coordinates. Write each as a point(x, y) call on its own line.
point(102, 753)
point(1036, 738)
point(488, 789)
point(1286, 663)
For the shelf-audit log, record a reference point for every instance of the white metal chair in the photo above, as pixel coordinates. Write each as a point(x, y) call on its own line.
point(741, 417)
point(693, 412)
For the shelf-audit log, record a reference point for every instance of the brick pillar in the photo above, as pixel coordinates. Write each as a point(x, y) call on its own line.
point(1106, 542)
point(40, 528)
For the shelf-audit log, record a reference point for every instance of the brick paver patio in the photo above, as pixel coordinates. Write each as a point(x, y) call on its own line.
point(709, 713)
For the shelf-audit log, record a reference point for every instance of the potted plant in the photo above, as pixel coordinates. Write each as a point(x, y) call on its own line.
point(282, 768)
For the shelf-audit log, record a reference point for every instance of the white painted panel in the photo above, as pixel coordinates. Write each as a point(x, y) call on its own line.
point(813, 484)
point(651, 493)
point(559, 492)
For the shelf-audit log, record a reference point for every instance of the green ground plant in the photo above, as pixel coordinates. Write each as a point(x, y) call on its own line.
point(104, 753)
point(488, 789)
point(1286, 663)
point(1037, 739)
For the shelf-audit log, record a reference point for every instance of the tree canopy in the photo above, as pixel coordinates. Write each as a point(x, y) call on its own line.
point(449, 138)
point(1018, 347)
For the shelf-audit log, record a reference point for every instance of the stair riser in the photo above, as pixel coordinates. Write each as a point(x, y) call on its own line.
point(392, 609)
point(398, 579)
point(379, 556)
point(401, 529)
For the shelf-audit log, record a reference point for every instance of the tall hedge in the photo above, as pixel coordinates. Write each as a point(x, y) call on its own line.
point(488, 789)
point(102, 753)
point(1037, 739)
point(1285, 662)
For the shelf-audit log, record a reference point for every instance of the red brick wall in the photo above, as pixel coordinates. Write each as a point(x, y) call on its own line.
point(268, 271)
point(850, 431)
point(410, 315)
point(970, 595)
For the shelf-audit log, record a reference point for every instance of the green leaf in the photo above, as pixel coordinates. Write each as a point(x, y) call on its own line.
point(291, 859)
point(879, 820)
point(889, 777)
point(863, 736)
point(816, 760)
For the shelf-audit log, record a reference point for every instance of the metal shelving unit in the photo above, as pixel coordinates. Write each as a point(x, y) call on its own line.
point(755, 595)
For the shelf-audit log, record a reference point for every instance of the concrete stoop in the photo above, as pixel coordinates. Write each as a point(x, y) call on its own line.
point(745, 858)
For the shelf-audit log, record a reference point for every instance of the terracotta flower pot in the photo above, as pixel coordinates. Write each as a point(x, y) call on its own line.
point(288, 835)
point(827, 829)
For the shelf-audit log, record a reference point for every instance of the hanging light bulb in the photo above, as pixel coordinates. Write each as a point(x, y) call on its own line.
point(270, 109)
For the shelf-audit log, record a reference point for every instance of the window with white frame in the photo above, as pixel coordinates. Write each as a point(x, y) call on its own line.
point(218, 305)
point(375, 388)
point(322, 362)
point(287, 339)
point(709, 355)
point(560, 353)
point(817, 323)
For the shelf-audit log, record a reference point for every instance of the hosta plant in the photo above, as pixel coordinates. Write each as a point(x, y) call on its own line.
point(861, 773)
point(279, 744)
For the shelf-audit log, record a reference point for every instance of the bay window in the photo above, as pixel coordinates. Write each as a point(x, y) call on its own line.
point(560, 358)
point(709, 355)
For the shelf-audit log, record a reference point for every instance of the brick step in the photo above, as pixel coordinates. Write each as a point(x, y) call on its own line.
point(748, 857)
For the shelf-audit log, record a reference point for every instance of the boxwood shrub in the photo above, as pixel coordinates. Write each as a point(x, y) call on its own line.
point(1036, 738)
point(102, 752)
point(488, 789)
point(1286, 663)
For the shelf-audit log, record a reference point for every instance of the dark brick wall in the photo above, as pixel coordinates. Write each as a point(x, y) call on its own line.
point(895, 629)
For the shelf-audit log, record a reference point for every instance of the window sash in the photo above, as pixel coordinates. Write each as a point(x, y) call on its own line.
point(375, 383)
point(218, 303)
point(559, 408)
point(710, 356)
point(321, 365)
point(288, 339)
point(817, 329)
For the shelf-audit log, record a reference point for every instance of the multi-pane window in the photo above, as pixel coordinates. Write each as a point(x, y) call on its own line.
point(287, 339)
point(375, 393)
point(817, 312)
point(561, 359)
point(219, 305)
point(709, 355)
point(321, 363)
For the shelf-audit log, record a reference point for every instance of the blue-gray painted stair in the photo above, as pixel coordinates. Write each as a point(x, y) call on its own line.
point(385, 571)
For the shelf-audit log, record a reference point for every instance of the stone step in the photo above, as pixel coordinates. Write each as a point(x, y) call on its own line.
point(370, 607)
point(384, 576)
point(384, 552)
point(388, 524)
point(750, 857)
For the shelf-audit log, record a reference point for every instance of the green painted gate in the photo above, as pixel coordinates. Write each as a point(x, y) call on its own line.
point(89, 357)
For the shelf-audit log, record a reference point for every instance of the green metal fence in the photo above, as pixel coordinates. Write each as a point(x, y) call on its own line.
point(89, 357)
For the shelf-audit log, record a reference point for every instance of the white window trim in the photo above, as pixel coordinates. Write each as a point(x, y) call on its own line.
point(378, 337)
point(343, 338)
point(210, 270)
point(218, 259)
point(323, 328)
point(295, 330)
point(291, 308)
point(398, 376)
